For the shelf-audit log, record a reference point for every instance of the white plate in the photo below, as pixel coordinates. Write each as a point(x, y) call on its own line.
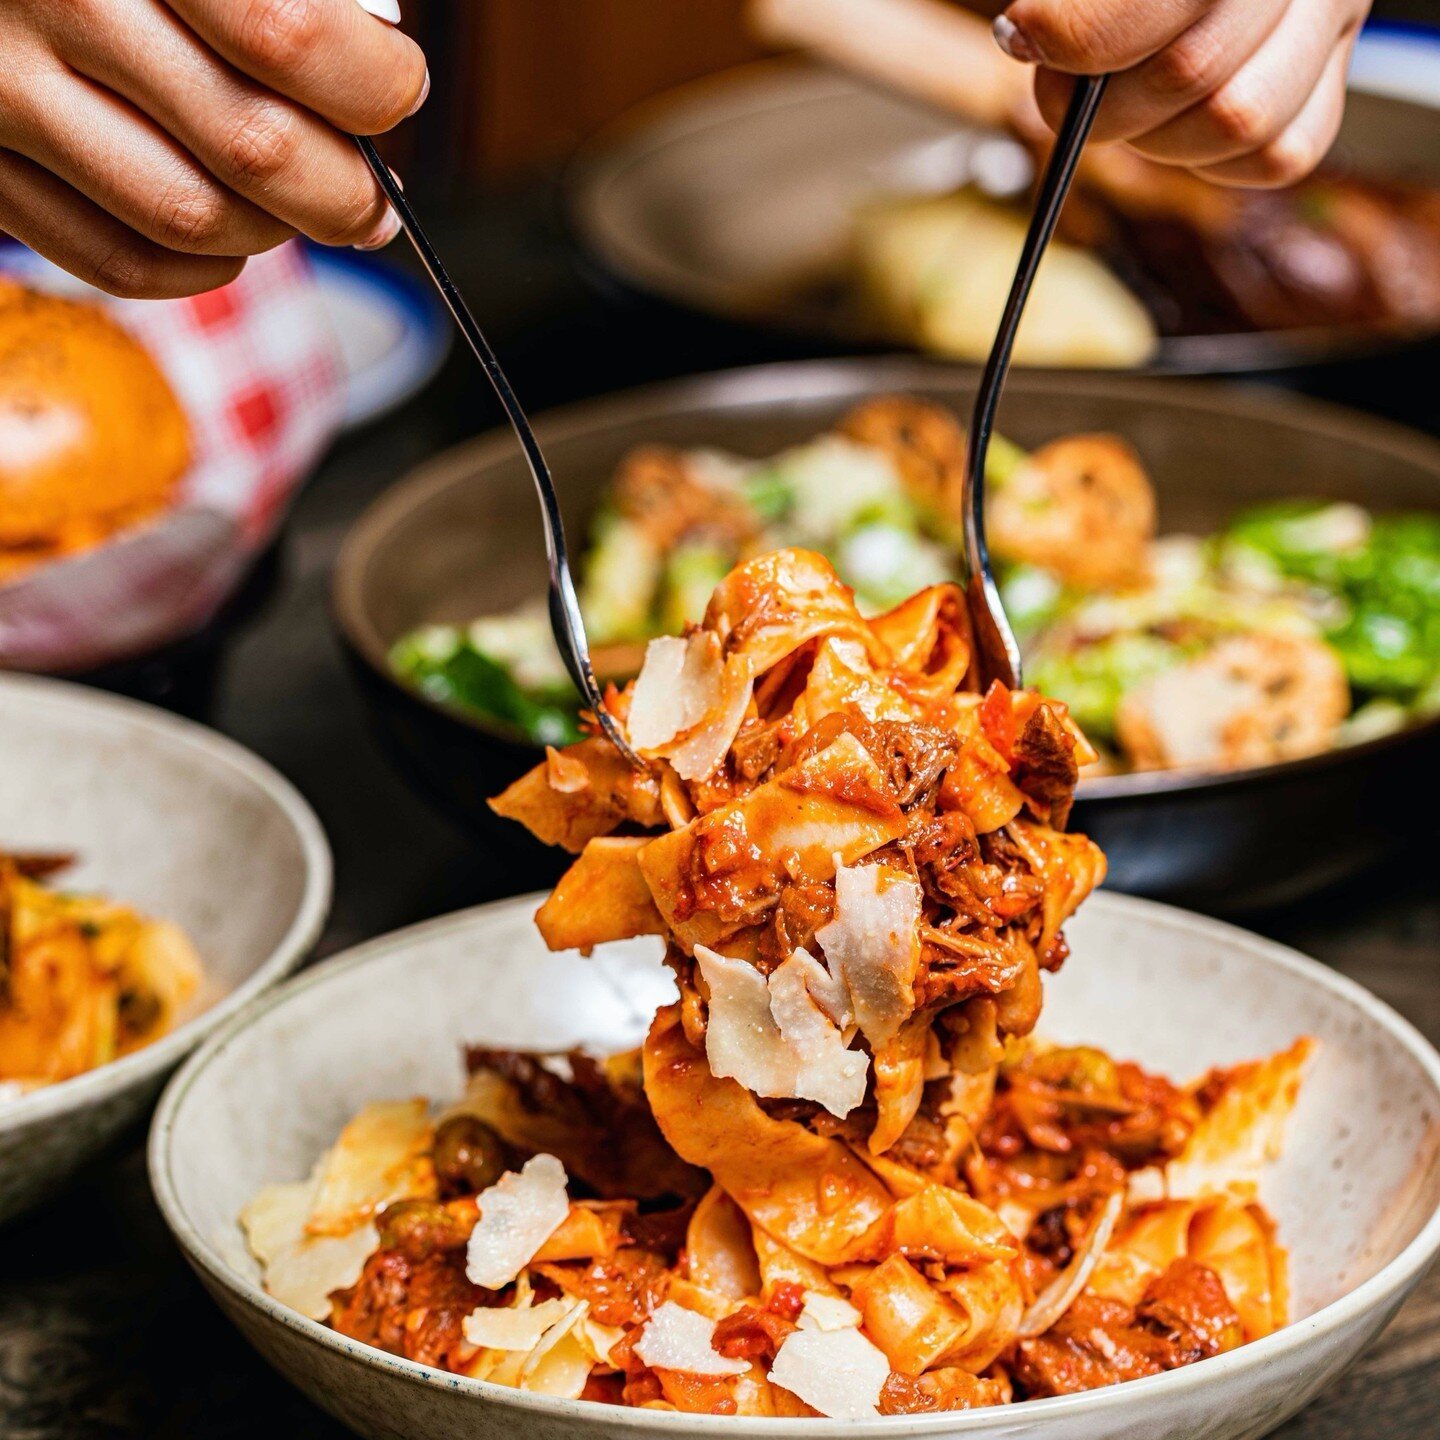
point(391, 331)
point(181, 823)
point(1355, 1194)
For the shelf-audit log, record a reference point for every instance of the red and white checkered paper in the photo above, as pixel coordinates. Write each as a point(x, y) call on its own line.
point(256, 367)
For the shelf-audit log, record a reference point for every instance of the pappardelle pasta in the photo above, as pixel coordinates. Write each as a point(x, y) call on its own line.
point(842, 1176)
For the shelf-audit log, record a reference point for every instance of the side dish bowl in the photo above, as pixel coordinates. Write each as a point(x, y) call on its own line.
point(461, 538)
point(1356, 1193)
point(180, 823)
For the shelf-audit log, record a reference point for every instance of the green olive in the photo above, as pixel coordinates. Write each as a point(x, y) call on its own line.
point(420, 1228)
point(469, 1156)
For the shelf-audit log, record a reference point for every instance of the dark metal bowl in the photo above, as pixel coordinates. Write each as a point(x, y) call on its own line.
point(461, 538)
point(734, 194)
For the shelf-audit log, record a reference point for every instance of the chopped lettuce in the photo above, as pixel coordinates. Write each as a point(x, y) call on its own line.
point(444, 663)
point(838, 485)
point(1383, 575)
point(887, 563)
point(692, 571)
point(622, 572)
point(1092, 678)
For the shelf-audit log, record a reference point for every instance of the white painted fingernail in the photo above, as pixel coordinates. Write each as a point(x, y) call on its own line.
point(424, 94)
point(1014, 41)
point(383, 9)
point(382, 234)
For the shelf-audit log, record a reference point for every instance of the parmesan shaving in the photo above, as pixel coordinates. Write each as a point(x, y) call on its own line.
point(515, 1327)
point(313, 1237)
point(826, 1071)
point(742, 1040)
point(688, 702)
point(379, 1157)
point(675, 1338)
point(518, 1214)
point(873, 945)
point(1061, 1293)
point(827, 1312)
point(837, 1372)
point(673, 690)
point(774, 1038)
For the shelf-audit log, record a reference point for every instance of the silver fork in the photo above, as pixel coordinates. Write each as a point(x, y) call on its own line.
point(996, 653)
point(565, 618)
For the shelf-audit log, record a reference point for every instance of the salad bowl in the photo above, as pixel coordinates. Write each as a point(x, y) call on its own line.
point(1356, 1192)
point(460, 539)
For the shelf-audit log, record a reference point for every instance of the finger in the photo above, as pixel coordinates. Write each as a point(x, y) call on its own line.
point(278, 155)
point(1256, 104)
point(1191, 67)
point(331, 56)
point(1298, 149)
point(56, 221)
point(1093, 37)
point(104, 148)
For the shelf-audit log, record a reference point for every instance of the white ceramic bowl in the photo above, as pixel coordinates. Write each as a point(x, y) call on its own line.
point(1356, 1193)
point(181, 823)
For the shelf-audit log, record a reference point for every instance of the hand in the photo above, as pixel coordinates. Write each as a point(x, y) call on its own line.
point(149, 146)
point(1243, 92)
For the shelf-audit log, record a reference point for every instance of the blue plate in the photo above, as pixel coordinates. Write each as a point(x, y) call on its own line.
point(1399, 59)
point(392, 331)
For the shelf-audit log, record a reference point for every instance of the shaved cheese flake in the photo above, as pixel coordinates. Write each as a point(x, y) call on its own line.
point(378, 1157)
point(774, 1038)
point(1061, 1293)
point(673, 690)
point(313, 1236)
point(304, 1278)
point(826, 1071)
point(675, 1338)
point(742, 1040)
point(827, 992)
point(562, 1369)
point(827, 1312)
point(688, 702)
point(518, 1214)
point(702, 750)
point(837, 1372)
point(516, 1327)
point(873, 945)
point(274, 1220)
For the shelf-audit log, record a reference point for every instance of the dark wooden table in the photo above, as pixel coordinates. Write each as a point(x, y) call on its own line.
point(104, 1334)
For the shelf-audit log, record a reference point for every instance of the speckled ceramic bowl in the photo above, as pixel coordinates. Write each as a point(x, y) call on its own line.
point(181, 823)
point(1356, 1193)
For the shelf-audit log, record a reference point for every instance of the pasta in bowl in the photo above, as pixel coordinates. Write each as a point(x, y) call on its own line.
point(840, 1178)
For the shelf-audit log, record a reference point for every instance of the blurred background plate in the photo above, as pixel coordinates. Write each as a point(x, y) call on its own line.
point(460, 538)
point(391, 331)
point(735, 195)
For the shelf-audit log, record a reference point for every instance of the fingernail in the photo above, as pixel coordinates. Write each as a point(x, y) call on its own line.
point(424, 94)
point(383, 9)
point(382, 234)
point(1014, 41)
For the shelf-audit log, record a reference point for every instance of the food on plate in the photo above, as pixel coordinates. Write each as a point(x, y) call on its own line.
point(935, 272)
point(844, 1175)
point(83, 980)
point(92, 437)
point(1146, 250)
point(1298, 627)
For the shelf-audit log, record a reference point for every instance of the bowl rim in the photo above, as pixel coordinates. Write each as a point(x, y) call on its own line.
point(752, 88)
point(66, 1096)
point(1391, 1282)
point(816, 380)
